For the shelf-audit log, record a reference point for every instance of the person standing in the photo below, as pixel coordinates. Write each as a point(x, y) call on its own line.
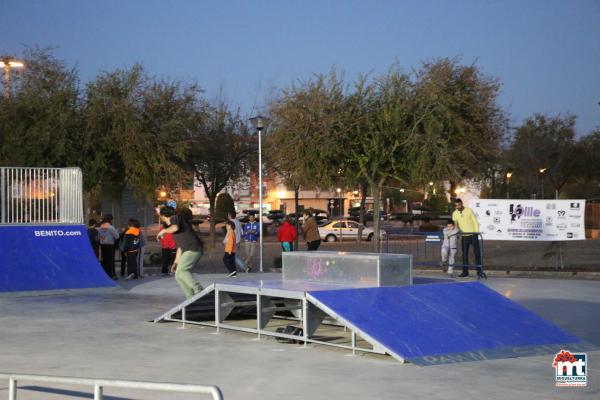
point(466, 222)
point(449, 233)
point(250, 233)
point(189, 248)
point(230, 249)
point(143, 243)
point(239, 263)
point(92, 232)
point(108, 236)
point(169, 251)
point(310, 231)
point(286, 234)
point(131, 248)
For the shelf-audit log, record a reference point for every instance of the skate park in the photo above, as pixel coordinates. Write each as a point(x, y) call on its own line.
point(329, 325)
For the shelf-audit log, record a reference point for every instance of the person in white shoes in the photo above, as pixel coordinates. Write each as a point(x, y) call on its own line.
point(450, 234)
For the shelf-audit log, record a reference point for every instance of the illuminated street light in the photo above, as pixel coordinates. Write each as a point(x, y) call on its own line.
point(8, 63)
point(509, 175)
point(259, 123)
point(542, 172)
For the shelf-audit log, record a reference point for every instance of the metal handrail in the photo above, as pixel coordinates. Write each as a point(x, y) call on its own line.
point(100, 384)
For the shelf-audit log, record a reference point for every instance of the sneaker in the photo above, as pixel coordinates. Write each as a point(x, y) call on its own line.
point(232, 274)
point(463, 275)
point(450, 270)
point(130, 276)
point(481, 275)
point(249, 269)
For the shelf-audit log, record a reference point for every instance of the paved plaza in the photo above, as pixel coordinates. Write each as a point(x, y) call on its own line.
point(107, 335)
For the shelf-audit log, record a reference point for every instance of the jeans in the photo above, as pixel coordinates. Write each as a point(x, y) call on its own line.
point(168, 256)
point(467, 241)
point(229, 261)
point(314, 245)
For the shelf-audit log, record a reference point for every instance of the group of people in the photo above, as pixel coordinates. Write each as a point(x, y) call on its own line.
point(464, 224)
point(130, 242)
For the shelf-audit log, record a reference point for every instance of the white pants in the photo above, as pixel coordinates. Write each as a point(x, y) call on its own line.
point(445, 250)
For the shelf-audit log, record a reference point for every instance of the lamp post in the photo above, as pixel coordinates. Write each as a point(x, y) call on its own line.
point(7, 63)
point(508, 176)
point(542, 171)
point(259, 123)
point(340, 205)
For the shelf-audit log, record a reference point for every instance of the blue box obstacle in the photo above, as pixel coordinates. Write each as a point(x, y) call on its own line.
point(48, 257)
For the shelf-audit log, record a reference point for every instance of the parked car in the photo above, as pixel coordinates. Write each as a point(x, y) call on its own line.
point(276, 215)
point(320, 215)
point(369, 215)
point(345, 229)
point(244, 214)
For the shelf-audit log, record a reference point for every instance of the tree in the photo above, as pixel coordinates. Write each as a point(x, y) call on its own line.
point(543, 142)
point(220, 152)
point(137, 130)
point(223, 205)
point(463, 131)
point(43, 111)
point(300, 143)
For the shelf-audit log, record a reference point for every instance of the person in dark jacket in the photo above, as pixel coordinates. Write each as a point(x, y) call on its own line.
point(92, 232)
point(131, 248)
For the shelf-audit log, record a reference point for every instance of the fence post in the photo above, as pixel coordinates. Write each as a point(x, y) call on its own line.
point(12, 389)
point(97, 392)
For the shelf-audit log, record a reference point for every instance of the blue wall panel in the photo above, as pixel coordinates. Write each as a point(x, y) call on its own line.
point(48, 258)
point(444, 318)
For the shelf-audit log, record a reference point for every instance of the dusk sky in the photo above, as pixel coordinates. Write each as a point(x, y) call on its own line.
point(546, 53)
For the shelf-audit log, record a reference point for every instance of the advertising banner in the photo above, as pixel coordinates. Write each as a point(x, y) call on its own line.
point(554, 220)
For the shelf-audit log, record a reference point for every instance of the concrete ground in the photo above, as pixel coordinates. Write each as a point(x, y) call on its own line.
point(107, 335)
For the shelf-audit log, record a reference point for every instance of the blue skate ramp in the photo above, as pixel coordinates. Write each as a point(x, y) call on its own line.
point(443, 323)
point(50, 257)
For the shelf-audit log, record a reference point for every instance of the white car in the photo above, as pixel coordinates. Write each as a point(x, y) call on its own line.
point(345, 229)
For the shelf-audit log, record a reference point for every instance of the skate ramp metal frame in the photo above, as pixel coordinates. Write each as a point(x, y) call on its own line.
point(41, 258)
point(426, 323)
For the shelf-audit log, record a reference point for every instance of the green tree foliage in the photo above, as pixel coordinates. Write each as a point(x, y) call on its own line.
point(224, 204)
point(43, 112)
point(542, 142)
point(464, 127)
point(137, 130)
point(220, 153)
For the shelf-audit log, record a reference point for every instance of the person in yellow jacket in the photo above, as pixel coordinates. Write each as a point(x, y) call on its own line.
point(466, 222)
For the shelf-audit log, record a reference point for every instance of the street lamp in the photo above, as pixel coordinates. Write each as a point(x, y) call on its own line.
point(7, 63)
point(508, 176)
point(259, 124)
point(339, 191)
point(542, 171)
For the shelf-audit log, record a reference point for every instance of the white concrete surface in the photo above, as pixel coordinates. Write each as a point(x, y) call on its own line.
point(107, 335)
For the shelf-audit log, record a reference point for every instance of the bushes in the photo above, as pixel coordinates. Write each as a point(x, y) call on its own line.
point(223, 205)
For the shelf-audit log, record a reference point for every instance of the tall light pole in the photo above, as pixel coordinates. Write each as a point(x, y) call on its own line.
point(542, 171)
point(259, 123)
point(340, 205)
point(7, 63)
point(508, 176)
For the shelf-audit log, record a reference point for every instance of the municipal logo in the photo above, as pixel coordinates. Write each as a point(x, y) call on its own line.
point(575, 206)
point(570, 369)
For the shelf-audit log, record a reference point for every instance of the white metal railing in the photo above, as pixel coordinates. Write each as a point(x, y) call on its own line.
point(100, 384)
point(41, 195)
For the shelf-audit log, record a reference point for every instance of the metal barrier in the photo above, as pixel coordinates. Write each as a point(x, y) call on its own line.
point(100, 384)
point(426, 247)
point(41, 195)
